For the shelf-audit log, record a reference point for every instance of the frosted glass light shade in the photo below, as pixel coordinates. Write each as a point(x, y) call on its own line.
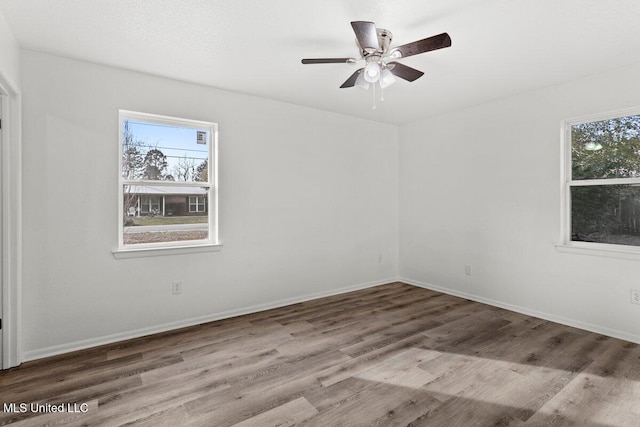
point(386, 78)
point(592, 146)
point(361, 82)
point(372, 72)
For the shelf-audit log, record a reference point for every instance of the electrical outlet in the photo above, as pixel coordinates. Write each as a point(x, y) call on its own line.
point(467, 270)
point(379, 258)
point(635, 296)
point(176, 288)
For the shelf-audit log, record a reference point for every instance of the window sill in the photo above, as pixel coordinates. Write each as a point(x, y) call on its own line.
point(600, 249)
point(166, 250)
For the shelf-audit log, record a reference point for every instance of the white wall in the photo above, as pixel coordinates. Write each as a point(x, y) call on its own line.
point(9, 54)
point(481, 186)
point(308, 202)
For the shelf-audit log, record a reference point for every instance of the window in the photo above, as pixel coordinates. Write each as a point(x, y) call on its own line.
point(196, 204)
point(148, 205)
point(167, 188)
point(602, 181)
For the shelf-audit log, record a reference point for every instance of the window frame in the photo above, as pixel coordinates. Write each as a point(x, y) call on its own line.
point(567, 182)
point(176, 247)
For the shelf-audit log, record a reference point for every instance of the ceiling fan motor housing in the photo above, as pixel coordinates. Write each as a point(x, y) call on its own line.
point(384, 39)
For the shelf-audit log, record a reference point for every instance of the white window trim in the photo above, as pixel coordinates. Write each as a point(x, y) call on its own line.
point(566, 245)
point(179, 247)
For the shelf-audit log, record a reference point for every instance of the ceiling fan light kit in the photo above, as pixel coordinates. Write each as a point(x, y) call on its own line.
point(374, 45)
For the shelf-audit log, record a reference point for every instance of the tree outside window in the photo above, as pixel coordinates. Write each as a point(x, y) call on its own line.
point(604, 181)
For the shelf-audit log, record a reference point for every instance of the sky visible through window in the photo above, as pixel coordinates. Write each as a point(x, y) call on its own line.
point(176, 143)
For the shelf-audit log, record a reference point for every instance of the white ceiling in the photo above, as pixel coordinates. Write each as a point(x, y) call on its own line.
point(500, 47)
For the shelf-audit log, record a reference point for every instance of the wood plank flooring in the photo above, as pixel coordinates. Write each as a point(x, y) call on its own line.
point(392, 355)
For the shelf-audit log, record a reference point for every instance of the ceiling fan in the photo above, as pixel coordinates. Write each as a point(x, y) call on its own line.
point(374, 44)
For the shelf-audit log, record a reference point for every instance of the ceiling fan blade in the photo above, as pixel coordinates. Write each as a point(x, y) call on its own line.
point(367, 35)
point(328, 61)
point(425, 45)
point(404, 72)
point(351, 81)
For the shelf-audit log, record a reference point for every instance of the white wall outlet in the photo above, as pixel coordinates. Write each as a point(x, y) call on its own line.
point(635, 296)
point(176, 288)
point(379, 258)
point(467, 270)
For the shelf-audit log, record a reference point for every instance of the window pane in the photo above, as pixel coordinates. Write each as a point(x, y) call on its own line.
point(197, 204)
point(162, 152)
point(606, 149)
point(163, 213)
point(606, 214)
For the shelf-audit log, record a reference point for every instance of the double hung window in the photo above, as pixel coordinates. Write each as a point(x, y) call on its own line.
point(602, 181)
point(167, 185)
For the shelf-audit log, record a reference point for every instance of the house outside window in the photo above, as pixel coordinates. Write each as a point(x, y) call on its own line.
point(602, 181)
point(167, 185)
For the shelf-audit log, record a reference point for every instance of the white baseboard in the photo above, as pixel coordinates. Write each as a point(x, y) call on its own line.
point(614, 333)
point(137, 333)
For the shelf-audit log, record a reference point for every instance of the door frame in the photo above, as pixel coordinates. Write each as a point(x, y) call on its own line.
point(11, 280)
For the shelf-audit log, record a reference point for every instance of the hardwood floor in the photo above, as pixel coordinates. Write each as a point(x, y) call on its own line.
point(392, 355)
